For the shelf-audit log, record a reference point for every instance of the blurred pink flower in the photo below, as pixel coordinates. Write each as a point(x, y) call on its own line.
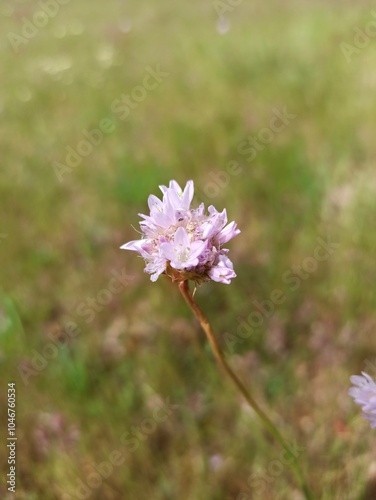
point(364, 394)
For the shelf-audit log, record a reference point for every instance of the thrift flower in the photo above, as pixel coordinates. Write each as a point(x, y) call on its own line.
point(184, 242)
point(364, 394)
point(187, 243)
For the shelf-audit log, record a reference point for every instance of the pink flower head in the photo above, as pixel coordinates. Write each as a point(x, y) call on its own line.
point(364, 394)
point(184, 242)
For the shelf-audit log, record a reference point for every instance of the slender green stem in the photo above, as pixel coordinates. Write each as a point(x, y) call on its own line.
point(184, 289)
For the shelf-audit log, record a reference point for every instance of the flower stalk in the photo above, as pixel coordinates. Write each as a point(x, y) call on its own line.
point(215, 347)
point(187, 243)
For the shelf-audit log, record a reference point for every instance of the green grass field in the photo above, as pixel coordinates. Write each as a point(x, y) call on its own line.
point(274, 118)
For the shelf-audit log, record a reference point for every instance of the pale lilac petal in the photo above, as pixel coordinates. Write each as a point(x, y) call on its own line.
point(168, 209)
point(177, 198)
point(199, 212)
point(223, 260)
point(154, 203)
point(215, 223)
point(196, 248)
point(175, 187)
point(134, 245)
point(358, 380)
point(369, 379)
point(188, 194)
point(181, 237)
point(364, 394)
point(168, 251)
point(174, 200)
point(156, 267)
point(227, 233)
point(162, 220)
point(221, 274)
point(178, 264)
point(214, 212)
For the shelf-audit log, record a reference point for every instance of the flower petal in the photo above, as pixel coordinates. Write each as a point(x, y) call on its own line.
point(181, 237)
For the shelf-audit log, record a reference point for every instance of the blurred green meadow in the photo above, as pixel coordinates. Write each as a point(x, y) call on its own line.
point(270, 108)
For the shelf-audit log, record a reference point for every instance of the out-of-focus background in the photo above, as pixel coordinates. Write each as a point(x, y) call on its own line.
point(270, 108)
